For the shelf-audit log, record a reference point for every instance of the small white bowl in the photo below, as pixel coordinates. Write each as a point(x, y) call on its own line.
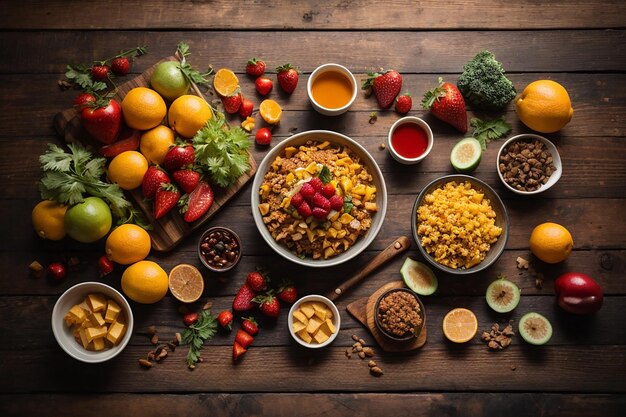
point(556, 161)
point(329, 304)
point(63, 333)
point(321, 70)
point(422, 124)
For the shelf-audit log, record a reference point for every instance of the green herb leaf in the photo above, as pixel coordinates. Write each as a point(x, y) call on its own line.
point(325, 175)
point(347, 204)
point(488, 130)
point(196, 334)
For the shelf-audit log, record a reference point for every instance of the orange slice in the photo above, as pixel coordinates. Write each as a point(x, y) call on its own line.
point(460, 325)
point(186, 283)
point(225, 82)
point(270, 111)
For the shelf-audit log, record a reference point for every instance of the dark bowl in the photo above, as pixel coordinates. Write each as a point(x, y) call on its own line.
point(202, 251)
point(502, 221)
point(422, 314)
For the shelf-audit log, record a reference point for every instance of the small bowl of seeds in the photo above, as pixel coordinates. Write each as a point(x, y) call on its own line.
point(528, 164)
point(219, 249)
point(399, 314)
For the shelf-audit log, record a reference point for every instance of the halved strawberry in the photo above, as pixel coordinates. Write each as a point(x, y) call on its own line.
point(243, 338)
point(238, 350)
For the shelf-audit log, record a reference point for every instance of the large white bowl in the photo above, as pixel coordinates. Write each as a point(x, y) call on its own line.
point(63, 333)
point(366, 159)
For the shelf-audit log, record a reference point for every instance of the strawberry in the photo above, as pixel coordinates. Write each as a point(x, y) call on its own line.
point(446, 103)
point(128, 140)
point(263, 136)
point(288, 293)
point(255, 67)
point(165, 199)
point(187, 179)
point(82, 100)
point(296, 200)
point(249, 325)
point(245, 110)
point(263, 85)
point(243, 338)
point(238, 350)
point(328, 190)
point(316, 183)
point(199, 202)
point(304, 210)
point(178, 157)
point(404, 103)
point(243, 299)
point(152, 180)
point(105, 266)
point(232, 103)
point(256, 281)
point(268, 304)
point(307, 190)
point(319, 213)
point(99, 72)
point(103, 121)
point(225, 319)
point(287, 76)
point(336, 202)
point(385, 86)
point(319, 201)
point(190, 318)
point(120, 65)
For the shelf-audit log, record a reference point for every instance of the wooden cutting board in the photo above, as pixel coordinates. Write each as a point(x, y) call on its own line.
point(363, 310)
point(169, 230)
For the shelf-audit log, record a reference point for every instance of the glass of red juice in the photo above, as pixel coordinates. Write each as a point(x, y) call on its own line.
point(410, 140)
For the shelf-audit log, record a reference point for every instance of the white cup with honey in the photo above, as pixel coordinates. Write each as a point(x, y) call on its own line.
point(332, 89)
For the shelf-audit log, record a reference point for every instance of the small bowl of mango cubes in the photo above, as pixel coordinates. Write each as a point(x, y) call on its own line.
point(314, 321)
point(92, 322)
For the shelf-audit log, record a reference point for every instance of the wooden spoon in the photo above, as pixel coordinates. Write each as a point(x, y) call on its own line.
point(397, 247)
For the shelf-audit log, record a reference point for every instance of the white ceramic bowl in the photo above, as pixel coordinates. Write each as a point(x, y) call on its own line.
point(365, 159)
point(336, 320)
point(321, 70)
point(63, 333)
point(419, 122)
point(556, 158)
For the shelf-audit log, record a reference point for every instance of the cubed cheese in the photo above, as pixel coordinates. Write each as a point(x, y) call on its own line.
point(98, 344)
point(297, 326)
point(96, 302)
point(76, 315)
point(321, 315)
point(95, 332)
point(96, 319)
point(307, 309)
point(318, 306)
point(329, 326)
point(115, 333)
point(329, 314)
point(313, 325)
point(305, 336)
point(299, 316)
point(83, 337)
point(320, 336)
point(113, 310)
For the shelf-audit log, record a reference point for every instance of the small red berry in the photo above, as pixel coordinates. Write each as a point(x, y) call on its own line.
point(404, 103)
point(336, 202)
point(328, 191)
point(245, 110)
point(57, 270)
point(190, 319)
point(105, 265)
point(296, 200)
point(316, 183)
point(100, 72)
point(263, 136)
point(263, 85)
point(120, 65)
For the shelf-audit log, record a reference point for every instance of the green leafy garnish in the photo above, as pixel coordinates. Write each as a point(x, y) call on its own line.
point(221, 151)
point(190, 73)
point(488, 130)
point(325, 175)
point(196, 334)
point(347, 204)
point(80, 76)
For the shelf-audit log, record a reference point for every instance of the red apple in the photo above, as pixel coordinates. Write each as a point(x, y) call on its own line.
point(578, 293)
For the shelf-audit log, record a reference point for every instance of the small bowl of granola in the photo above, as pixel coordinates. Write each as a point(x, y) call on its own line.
point(399, 314)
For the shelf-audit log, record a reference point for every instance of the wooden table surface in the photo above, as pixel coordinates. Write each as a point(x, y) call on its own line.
point(580, 372)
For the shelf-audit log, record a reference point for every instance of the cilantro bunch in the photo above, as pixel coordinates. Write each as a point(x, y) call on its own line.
point(196, 334)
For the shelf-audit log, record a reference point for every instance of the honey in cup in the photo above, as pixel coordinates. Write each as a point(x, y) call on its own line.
point(332, 89)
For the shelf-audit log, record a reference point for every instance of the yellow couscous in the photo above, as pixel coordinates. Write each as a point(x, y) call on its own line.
point(456, 225)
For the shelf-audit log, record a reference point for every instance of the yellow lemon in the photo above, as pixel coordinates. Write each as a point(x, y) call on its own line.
point(128, 244)
point(143, 108)
point(270, 111)
point(544, 106)
point(48, 220)
point(155, 143)
point(127, 169)
point(188, 114)
point(186, 283)
point(460, 325)
point(551, 242)
point(145, 282)
point(225, 82)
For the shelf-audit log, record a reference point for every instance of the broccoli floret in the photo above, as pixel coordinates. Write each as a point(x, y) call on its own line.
point(483, 83)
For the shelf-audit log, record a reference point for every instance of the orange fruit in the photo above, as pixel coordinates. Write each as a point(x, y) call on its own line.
point(144, 282)
point(544, 106)
point(460, 325)
point(156, 142)
point(186, 283)
point(188, 114)
point(127, 169)
point(127, 244)
point(143, 108)
point(270, 111)
point(551, 242)
point(48, 218)
point(225, 82)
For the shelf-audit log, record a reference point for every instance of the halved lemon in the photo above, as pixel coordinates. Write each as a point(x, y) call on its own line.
point(460, 325)
point(186, 283)
point(225, 82)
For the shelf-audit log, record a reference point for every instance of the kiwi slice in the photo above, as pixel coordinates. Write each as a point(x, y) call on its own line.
point(535, 328)
point(418, 277)
point(502, 295)
point(465, 155)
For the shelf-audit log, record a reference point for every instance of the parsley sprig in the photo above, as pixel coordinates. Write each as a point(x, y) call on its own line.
point(488, 130)
point(190, 73)
point(196, 334)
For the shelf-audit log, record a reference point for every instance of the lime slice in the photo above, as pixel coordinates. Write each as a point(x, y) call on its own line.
point(418, 277)
point(466, 154)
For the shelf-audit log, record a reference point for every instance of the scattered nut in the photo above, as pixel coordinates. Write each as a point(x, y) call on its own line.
point(513, 367)
point(362, 355)
point(373, 118)
point(207, 306)
point(498, 339)
point(382, 146)
point(171, 346)
point(521, 263)
point(371, 364)
point(355, 337)
point(348, 353)
point(64, 85)
point(37, 269)
point(151, 355)
point(362, 342)
point(145, 363)
point(368, 351)
point(539, 280)
point(178, 338)
point(151, 330)
point(376, 371)
point(154, 339)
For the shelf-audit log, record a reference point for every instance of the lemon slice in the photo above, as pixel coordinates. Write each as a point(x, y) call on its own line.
point(225, 82)
point(460, 325)
point(186, 283)
point(270, 111)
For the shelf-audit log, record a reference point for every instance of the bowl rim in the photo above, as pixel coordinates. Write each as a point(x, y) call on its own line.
point(459, 177)
point(203, 261)
point(59, 329)
point(336, 320)
point(327, 67)
point(422, 313)
point(556, 157)
point(363, 242)
point(415, 120)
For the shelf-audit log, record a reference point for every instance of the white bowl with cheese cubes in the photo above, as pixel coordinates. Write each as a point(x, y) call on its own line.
point(92, 322)
point(314, 321)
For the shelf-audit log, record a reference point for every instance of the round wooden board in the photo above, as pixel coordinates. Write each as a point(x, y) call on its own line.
point(385, 343)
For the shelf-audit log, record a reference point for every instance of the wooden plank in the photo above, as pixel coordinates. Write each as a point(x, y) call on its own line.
point(360, 14)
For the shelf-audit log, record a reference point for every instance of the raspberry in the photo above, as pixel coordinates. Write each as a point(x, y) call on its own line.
point(319, 213)
point(304, 210)
point(307, 190)
point(316, 183)
point(328, 191)
point(319, 200)
point(296, 200)
point(336, 202)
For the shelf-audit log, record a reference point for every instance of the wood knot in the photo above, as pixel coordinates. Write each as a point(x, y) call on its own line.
point(606, 261)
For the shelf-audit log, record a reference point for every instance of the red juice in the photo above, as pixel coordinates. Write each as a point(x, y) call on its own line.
point(409, 140)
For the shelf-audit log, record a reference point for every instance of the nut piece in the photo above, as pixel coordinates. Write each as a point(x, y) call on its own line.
point(154, 339)
point(145, 363)
point(376, 371)
point(521, 263)
point(498, 339)
point(355, 338)
point(369, 352)
point(371, 364)
point(362, 355)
